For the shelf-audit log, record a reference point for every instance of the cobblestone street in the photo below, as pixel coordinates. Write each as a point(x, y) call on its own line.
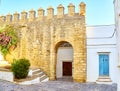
point(57, 86)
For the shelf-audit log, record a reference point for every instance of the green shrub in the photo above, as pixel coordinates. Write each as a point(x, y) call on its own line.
point(20, 68)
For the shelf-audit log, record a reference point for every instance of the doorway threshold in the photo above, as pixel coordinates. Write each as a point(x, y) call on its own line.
point(66, 78)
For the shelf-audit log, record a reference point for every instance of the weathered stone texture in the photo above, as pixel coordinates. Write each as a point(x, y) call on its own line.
point(41, 36)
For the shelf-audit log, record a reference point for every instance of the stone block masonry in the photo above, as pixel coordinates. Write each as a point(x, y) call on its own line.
point(40, 37)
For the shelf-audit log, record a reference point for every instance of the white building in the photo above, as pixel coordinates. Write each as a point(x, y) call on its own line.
point(117, 26)
point(101, 55)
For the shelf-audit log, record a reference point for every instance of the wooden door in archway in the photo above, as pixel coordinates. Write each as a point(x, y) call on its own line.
point(67, 68)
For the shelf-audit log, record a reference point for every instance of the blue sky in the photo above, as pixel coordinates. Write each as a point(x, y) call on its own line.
point(99, 12)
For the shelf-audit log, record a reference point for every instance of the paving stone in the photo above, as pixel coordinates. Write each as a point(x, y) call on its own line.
point(57, 86)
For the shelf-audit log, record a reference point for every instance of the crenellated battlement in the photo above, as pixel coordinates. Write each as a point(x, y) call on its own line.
point(40, 14)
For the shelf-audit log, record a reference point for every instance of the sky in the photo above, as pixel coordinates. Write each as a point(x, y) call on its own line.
point(98, 12)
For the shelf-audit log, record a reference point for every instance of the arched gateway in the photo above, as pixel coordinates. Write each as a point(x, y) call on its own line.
point(41, 36)
point(78, 63)
point(64, 59)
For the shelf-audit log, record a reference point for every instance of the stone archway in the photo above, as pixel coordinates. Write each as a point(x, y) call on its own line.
point(79, 62)
point(64, 60)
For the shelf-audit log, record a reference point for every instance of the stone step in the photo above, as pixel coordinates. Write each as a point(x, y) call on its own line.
point(41, 74)
point(105, 80)
point(36, 71)
point(104, 77)
point(44, 78)
point(4, 69)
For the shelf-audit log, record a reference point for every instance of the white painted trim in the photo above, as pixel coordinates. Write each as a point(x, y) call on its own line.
point(104, 53)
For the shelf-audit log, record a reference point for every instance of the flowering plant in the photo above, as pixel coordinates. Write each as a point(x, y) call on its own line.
point(8, 38)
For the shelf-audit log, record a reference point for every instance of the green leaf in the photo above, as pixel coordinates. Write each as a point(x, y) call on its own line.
point(12, 33)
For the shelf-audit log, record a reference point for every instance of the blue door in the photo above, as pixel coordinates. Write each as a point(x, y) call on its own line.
point(103, 65)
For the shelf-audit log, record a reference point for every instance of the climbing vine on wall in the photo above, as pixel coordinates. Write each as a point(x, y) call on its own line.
point(8, 38)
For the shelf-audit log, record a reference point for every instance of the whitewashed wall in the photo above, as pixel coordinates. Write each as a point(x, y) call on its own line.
point(66, 55)
point(93, 63)
point(6, 75)
point(101, 39)
point(117, 26)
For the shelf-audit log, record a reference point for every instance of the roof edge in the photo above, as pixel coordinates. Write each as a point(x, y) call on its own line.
point(99, 25)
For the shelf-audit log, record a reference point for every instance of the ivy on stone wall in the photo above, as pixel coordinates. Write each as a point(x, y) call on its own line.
point(8, 38)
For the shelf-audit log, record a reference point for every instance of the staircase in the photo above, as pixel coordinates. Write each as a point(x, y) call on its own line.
point(35, 75)
point(104, 80)
point(39, 73)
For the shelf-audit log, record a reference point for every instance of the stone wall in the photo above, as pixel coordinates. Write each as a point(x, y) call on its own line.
point(40, 37)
